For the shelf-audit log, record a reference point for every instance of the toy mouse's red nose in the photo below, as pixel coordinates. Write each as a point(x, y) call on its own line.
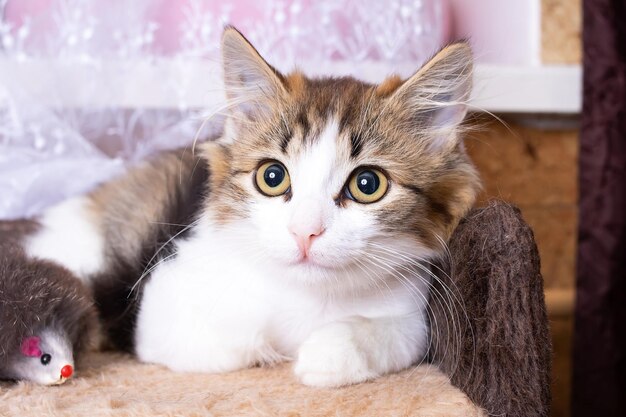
point(67, 371)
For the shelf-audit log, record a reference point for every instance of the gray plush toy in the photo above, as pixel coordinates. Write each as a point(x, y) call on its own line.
point(47, 319)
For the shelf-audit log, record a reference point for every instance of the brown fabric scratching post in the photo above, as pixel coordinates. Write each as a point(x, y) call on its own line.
point(495, 345)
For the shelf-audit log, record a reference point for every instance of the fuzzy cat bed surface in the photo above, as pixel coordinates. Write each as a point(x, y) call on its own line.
point(113, 384)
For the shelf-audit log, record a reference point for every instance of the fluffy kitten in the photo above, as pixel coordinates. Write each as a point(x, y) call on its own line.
point(303, 233)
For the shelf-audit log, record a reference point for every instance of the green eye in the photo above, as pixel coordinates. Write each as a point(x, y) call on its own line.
point(272, 179)
point(368, 185)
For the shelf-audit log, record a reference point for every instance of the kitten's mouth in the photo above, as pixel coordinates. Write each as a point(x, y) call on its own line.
point(308, 262)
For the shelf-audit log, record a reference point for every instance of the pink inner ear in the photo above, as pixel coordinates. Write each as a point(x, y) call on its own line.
point(30, 347)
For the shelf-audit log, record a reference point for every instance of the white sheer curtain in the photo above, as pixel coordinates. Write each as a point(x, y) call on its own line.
point(50, 150)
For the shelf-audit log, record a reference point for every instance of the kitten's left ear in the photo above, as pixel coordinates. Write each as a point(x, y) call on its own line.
point(434, 97)
point(252, 85)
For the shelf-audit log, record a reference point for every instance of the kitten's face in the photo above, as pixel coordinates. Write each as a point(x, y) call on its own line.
point(336, 178)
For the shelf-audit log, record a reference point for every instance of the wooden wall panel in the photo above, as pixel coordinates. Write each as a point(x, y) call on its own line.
point(561, 22)
point(536, 170)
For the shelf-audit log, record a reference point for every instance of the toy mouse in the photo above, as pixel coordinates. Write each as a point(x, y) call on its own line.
point(46, 359)
point(47, 319)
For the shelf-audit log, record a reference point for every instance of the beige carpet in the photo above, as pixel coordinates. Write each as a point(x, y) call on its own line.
point(110, 384)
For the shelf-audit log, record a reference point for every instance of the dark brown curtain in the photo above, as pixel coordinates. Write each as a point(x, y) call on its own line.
point(599, 384)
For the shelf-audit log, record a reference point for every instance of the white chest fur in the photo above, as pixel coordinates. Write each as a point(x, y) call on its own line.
point(215, 308)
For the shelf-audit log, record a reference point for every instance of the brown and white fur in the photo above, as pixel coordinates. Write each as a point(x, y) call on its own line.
point(225, 277)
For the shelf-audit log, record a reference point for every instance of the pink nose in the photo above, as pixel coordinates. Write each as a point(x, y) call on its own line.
point(304, 236)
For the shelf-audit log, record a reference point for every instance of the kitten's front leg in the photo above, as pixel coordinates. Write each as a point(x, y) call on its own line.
point(359, 349)
point(192, 323)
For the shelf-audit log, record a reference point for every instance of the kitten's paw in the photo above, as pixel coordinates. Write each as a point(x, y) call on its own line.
point(331, 357)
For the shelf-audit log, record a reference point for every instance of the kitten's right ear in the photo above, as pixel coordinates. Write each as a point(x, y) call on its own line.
point(252, 85)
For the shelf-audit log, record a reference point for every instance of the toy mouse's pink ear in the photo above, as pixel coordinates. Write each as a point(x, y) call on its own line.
point(30, 347)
